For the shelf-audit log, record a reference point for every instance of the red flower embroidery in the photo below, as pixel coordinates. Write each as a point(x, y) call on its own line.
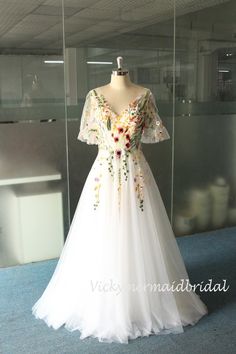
point(127, 136)
point(118, 153)
point(116, 138)
point(120, 130)
point(127, 145)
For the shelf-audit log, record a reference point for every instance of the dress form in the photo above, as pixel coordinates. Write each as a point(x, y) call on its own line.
point(121, 90)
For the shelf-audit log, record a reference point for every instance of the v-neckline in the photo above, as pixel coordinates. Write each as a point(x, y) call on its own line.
point(126, 108)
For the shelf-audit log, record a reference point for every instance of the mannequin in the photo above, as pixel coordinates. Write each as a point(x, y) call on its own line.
point(121, 90)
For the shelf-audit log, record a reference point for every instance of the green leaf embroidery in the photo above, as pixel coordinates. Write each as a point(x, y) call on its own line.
point(109, 123)
point(133, 141)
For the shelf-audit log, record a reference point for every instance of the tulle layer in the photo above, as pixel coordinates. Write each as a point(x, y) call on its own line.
point(114, 256)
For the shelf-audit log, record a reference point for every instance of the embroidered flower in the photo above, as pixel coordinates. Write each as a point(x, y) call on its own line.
point(118, 153)
point(120, 130)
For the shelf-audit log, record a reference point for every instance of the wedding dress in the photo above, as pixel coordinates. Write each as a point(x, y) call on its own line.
point(120, 246)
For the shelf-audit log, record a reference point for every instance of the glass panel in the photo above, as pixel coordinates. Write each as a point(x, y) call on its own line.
point(33, 174)
point(204, 183)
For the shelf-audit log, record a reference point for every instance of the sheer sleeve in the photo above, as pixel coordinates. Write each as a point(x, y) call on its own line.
point(154, 130)
point(89, 129)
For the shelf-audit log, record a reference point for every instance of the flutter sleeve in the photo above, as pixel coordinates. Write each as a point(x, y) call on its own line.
point(154, 130)
point(89, 129)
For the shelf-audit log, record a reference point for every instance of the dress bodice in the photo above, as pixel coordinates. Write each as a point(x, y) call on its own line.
point(138, 123)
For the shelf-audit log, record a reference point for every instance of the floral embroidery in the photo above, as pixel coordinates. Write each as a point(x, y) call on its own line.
point(154, 130)
point(139, 183)
point(121, 136)
point(89, 129)
point(97, 190)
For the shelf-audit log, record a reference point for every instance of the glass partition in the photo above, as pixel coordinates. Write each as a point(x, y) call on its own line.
point(204, 183)
point(33, 174)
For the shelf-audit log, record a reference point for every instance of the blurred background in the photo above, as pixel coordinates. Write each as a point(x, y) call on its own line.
point(53, 52)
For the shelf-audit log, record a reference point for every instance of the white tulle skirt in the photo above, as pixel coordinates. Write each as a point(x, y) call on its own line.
point(106, 280)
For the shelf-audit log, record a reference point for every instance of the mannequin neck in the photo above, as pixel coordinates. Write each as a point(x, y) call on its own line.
point(120, 82)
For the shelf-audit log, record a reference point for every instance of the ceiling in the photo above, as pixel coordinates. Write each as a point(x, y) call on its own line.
point(31, 25)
